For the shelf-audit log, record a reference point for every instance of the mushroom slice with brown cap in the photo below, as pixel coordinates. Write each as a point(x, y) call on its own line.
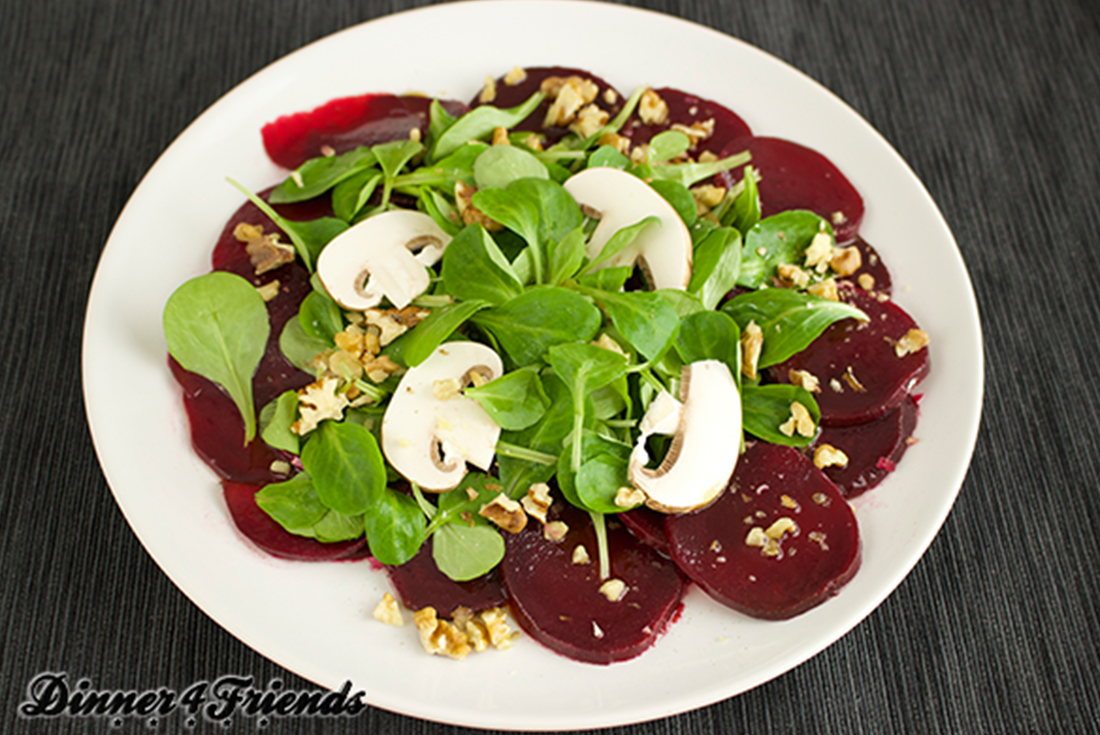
point(706, 430)
point(384, 255)
point(619, 200)
point(429, 435)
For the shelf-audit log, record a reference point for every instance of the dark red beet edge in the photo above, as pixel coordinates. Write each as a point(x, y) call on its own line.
point(873, 448)
point(262, 530)
point(796, 177)
point(419, 584)
point(648, 526)
point(346, 123)
point(709, 545)
point(556, 601)
point(868, 349)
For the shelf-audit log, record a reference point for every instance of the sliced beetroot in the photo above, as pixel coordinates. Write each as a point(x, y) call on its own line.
point(217, 431)
point(873, 448)
point(347, 123)
point(559, 603)
point(648, 526)
point(797, 177)
point(262, 530)
point(801, 568)
point(510, 95)
point(870, 265)
point(687, 109)
point(860, 374)
point(419, 584)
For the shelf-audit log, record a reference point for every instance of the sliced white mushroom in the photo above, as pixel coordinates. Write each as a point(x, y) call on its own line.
point(429, 435)
point(384, 255)
point(620, 199)
point(706, 430)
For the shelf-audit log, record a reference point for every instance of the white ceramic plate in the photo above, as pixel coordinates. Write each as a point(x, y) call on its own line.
point(315, 619)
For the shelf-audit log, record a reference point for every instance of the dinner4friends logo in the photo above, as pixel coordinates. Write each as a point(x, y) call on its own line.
point(54, 694)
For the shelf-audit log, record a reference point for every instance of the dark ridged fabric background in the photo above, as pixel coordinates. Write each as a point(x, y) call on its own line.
point(995, 105)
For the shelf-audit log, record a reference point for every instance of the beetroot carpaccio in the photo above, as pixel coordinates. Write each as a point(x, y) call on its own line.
point(494, 347)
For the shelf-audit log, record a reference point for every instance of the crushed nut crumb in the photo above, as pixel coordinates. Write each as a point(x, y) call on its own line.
point(388, 612)
point(554, 531)
point(500, 136)
point(445, 389)
point(439, 637)
point(505, 512)
point(829, 456)
point(652, 109)
point(613, 589)
point(820, 252)
point(628, 497)
point(580, 555)
point(468, 212)
point(853, 382)
point(269, 290)
point(752, 343)
point(913, 341)
point(537, 501)
point(488, 91)
point(866, 281)
point(791, 275)
point(515, 76)
point(800, 421)
point(589, 120)
point(825, 289)
point(804, 379)
point(846, 261)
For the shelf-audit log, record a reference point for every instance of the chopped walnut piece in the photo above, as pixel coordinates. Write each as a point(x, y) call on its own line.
point(505, 512)
point(788, 502)
point(500, 136)
point(756, 537)
point(846, 261)
point(380, 368)
point(392, 323)
point(792, 275)
point(829, 456)
point(269, 290)
point(853, 382)
point(835, 385)
point(628, 497)
point(515, 76)
point(496, 623)
point(265, 252)
point(580, 555)
point(351, 340)
point(800, 421)
point(415, 134)
point(652, 109)
point(613, 589)
point(388, 612)
point(752, 342)
point(820, 252)
point(610, 96)
point(440, 637)
point(555, 531)
point(488, 91)
point(820, 498)
point(537, 501)
point(619, 142)
point(913, 341)
point(468, 212)
point(819, 538)
point(707, 197)
point(804, 379)
point(697, 131)
point(781, 526)
point(707, 157)
point(825, 289)
point(345, 365)
point(866, 281)
point(279, 467)
point(316, 402)
point(569, 95)
point(589, 121)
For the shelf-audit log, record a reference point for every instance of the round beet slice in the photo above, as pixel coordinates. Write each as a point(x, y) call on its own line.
point(687, 109)
point(873, 448)
point(797, 177)
point(345, 124)
point(419, 584)
point(734, 550)
point(607, 99)
point(262, 530)
point(860, 374)
point(559, 603)
point(648, 526)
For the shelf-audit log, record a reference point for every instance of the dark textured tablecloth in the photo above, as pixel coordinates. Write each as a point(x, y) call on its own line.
point(995, 105)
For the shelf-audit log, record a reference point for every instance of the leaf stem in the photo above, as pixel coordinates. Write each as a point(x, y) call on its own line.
point(601, 544)
point(514, 451)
